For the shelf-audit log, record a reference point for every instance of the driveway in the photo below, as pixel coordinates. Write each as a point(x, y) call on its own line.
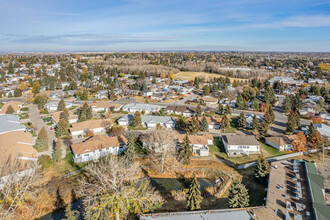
point(37, 121)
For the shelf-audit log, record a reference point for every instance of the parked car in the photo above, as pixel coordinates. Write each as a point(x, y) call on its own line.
point(28, 129)
point(47, 120)
point(52, 127)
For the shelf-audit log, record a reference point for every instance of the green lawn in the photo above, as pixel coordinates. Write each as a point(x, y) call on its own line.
point(25, 109)
point(136, 128)
point(72, 107)
point(219, 151)
point(23, 115)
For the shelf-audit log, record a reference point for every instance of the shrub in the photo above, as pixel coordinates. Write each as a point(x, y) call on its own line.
point(45, 161)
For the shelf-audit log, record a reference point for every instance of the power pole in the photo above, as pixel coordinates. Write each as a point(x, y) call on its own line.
point(323, 152)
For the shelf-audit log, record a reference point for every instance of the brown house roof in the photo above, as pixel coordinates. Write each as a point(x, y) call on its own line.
point(16, 144)
point(97, 142)
point(280, 140)
point(211, 120)
point(90, 124)
point(240, 139)
point(105, 105)
point(196, 139)
point(56, 116)
point(16, 105)
point(179, 108)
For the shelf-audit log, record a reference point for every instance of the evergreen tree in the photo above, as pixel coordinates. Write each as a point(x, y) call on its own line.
point(269, 96)
point(227, 110)
point(238, 196)
point(220, 109)
point(70, 214)
point(42, 139)
point(57, 155)
point(10, 95)
point(287, 105)
point(181, 123)
point(204, 125)
point(61, 105)
point(206, 90)
point(17, 92)
point(130, 151)
point(193, 125)
point(194, 195)
point(199, 110)
point(137, 121)
point(296, 102)
point(62, 128)
point(85, 112)
point(10, 110)
point(311, 132)
point(242, 121)
point(255, 104)
point(255, 122)
point(263, 130)
point(240, 103)
point(65, 114)
point(262, 168)
point(196, 82)
point(293, 122)
point(185, 151)
point(225, 122)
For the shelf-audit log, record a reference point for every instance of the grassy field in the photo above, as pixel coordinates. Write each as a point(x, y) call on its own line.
point(192, 75)
point(219, 151)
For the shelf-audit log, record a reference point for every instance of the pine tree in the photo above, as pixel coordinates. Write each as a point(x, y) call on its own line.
point(287, 104)
point(206, 90)
point(17, 92)
point(262, 168)
point(10, 110)
point(199, 110)
point(204, 126)
point(263, 130)
point(255, 122)
point(42, 139)
point(311, 132)
point(85, 112)
point(111, 94)
point(238, 196)
point(62, 128)
point(240, 103)
point(225, 122)
point(242, 121)
point(293, 122)
point(137, 121)
point(269, 96)
point(57, 155)
point(185, 151)
point(220, 109)
point(65, 114)
point(61, 105)
point(194, 195)
point(130, 151)
point(181, 123)
point(255, 104)
point(227, 110)
point(193, 125)
point(70, 214)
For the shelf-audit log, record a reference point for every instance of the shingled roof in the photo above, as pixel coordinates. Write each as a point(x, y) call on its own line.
point(240, 139)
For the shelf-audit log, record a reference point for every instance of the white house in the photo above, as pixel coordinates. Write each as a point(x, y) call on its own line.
point(180, 110)
point(52, 106)
point(104, 106)
point(199, 143)
point(240, 144)
point(98, 146)
point(280, 143)
point(149, 121)
point(323, 129)
point(56, 117)
point(147, 108)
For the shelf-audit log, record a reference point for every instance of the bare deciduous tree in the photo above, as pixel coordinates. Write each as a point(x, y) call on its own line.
point(108, 188)
point(161, 147)
point(17, 179)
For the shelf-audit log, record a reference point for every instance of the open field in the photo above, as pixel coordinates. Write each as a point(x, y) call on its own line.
point(192, 75)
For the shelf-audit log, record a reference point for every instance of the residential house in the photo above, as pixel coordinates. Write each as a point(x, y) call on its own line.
point(98, 146)
point(181, 110)
point(15, 104)
point(57, 95)
point(209, 100)
point(56, 117)
point(281, 143)
point(52, 106)
point(213, 123)
point(95, 126)
point(141, 107)
point(199, 143)
point(17, 145)
point(149, 121)
point(323, 129)
point(102, 94)
point(325, 115)
point(10, 123)
point(240, 144)
point(104, 106)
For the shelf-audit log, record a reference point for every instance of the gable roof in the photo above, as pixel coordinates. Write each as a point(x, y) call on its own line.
point(105, 105)
point(15, 104)
point(196, 139)
point(280, 140)
point(90, 124)
point(240, 139)
point(10, 123)
point(97, 142)
point(149, 119)
point(56, 116)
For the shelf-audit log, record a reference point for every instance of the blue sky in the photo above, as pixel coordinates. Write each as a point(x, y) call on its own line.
point(106, 25)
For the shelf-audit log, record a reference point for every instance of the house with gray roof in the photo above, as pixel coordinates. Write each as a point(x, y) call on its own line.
point(149, 121)
point(240, 144)
point(141, 107)
point(10, 123)
point(52, 106)
point(249, 120)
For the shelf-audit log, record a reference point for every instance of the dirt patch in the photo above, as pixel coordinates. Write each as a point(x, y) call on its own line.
point(192, 75)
